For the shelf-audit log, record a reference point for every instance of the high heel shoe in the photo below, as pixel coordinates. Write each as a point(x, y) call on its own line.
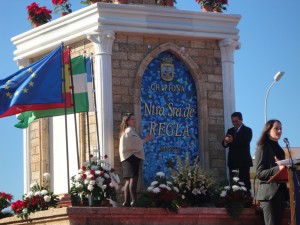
point(133, 204)
point(126, 204)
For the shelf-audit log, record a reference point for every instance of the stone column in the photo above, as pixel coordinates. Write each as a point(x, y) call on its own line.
point(227, 47)
point(102, 42)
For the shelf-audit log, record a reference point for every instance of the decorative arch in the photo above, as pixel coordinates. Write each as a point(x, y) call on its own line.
point(199, 81)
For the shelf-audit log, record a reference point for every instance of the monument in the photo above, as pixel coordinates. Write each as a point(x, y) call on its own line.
point(172, 68)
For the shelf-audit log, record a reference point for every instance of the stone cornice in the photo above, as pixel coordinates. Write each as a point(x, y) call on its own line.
point(137, 19)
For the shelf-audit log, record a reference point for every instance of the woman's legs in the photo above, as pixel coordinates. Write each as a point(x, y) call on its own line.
point(274, 209)
point(126, 192)
point(133, 189)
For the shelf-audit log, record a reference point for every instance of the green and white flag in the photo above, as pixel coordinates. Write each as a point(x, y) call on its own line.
point(83, 94)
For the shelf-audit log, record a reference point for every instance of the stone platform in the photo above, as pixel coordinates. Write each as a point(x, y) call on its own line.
point(137, 216)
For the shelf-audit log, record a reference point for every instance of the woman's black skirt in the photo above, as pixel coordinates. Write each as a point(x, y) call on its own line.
point(131, 167)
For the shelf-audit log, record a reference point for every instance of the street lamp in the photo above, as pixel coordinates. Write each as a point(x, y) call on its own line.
point(277, 77)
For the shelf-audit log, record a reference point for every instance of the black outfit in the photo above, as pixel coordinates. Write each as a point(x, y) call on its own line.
point(239, 156)
point(272, 196)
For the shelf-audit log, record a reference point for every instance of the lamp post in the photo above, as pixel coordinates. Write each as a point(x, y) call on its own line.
point(277, 77)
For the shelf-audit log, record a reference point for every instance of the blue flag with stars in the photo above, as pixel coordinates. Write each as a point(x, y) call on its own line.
point(35, 87)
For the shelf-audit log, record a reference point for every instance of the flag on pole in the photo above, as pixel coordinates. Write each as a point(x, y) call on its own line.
point(82, 81)
point(35, 87)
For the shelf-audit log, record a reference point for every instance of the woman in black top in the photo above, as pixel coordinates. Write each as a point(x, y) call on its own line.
point(272, 196)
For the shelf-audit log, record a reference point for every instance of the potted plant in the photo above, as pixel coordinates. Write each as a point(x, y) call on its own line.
point(62, 6)
point(89, 2)
point(235, 197)
point(38, 15)
point(76, 191)
point(120, 1)
point(162, 192)
point(95, 180)
point(5, 201)
point(37, 199)
point(195, 185)
point(212, 5)
point(165, 2)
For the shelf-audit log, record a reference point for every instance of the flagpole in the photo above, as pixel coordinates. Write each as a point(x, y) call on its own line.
point(66, 121)
point(88, 120)
point(95, 103)
point(74, 109)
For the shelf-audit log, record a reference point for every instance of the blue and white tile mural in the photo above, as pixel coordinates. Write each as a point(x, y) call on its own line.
point(169, 113)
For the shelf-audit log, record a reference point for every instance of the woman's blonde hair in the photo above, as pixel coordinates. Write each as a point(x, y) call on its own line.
point(124, 123)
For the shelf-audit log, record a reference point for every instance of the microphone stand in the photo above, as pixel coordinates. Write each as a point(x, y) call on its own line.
point(290, 155)
point(293, 167)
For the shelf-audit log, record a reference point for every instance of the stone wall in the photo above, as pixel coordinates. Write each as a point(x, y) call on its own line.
point(131, 55)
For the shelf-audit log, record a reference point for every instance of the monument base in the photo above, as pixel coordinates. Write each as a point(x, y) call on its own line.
point(141, 216)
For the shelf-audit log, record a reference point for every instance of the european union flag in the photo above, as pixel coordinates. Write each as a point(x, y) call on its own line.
point(35, 87)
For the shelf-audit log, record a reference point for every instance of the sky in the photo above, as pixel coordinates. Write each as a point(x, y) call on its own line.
point(269, 38)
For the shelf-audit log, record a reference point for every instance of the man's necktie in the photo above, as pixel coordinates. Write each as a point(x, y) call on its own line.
point(235, 132)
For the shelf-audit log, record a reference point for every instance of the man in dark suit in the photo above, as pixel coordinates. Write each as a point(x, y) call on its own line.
point(238, 140)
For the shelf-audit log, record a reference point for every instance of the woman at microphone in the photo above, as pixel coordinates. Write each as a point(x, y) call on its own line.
point(272, 196)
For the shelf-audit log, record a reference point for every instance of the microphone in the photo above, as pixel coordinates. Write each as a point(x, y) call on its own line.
point(286, 141)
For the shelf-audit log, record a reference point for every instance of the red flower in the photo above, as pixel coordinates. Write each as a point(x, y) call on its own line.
point(5, 196)
point(38, 15)
point(83, 168)
point(17, 206)
point(62, 5)
point(215, 5)
point(33, 201)
point(59, 2)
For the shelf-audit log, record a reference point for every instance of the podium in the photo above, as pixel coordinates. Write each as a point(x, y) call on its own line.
point(280, 177)
point(294, 187)
point(291, 175)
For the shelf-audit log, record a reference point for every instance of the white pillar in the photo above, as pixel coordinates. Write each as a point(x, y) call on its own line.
point(103, 41)
point(26, 142)
point(227, 47)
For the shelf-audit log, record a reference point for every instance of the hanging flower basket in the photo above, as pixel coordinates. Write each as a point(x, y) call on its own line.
point(38, 15)
point(212, 5)
point(120, 1)
point(206, 8)
point(169, 3)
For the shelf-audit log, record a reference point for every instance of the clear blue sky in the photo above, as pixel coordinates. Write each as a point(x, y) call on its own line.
point(269, 37)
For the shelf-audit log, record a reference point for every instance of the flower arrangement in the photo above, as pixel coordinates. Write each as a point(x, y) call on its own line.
point(95, 179)
point(163, 193)
point(195, 185)
point(235, 197)
point(38, 15)
point(37, 199)
point(89, 2)
point(164, 2)
point(62, 6)
point(213, 5)
point(5, 201)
